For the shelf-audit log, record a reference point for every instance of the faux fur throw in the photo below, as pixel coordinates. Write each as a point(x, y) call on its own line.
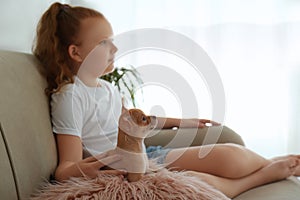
point(160, 185)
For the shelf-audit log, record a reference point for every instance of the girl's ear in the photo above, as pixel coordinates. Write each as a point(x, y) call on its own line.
point(74, 53)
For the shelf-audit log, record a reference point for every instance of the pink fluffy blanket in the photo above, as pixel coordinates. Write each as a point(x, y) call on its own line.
point(161, 185)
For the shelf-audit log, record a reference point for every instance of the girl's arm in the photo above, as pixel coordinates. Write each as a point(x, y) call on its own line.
point(165, 123)
point(71, 163)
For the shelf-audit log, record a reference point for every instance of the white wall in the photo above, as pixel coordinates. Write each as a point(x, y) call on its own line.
point(18, 20)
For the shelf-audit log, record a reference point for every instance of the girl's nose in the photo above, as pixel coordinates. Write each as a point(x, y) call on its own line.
point(114, 48)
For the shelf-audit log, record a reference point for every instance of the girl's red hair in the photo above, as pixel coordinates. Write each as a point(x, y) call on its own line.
point(56, 31)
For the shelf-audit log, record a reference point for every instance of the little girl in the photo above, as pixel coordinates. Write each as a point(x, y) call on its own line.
point(75, 47)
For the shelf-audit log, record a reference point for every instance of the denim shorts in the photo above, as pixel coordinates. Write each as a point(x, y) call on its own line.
point(157, 153)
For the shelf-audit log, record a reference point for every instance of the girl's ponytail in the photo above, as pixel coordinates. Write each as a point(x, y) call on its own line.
point(56, 31)
point(47, 45)
point(46, 30)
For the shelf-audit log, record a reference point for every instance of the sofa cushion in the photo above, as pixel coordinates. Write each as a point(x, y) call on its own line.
point(25, 123)
point(7, 183)
point(288, 189)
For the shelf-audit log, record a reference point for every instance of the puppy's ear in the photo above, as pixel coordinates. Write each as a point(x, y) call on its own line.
point(124, 109)
point(125, 123)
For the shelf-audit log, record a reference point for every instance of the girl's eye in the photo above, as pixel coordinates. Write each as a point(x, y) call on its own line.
point(106, 41)
point(103, 42)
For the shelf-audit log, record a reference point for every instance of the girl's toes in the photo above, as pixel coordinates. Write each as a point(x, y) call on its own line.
point(293, 162)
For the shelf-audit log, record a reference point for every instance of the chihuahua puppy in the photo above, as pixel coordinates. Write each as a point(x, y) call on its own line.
point(134, 126)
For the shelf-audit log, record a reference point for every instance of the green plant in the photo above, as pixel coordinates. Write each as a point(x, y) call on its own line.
point(126, 79)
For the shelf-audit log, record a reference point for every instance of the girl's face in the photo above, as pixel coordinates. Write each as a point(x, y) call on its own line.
point(96, 50)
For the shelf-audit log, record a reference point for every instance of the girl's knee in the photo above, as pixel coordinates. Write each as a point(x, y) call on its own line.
point(233, 148)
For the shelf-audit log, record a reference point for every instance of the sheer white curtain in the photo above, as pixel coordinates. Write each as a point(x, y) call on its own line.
point(255, 46)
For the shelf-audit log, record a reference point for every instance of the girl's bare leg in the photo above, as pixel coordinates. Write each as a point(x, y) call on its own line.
point(223, 160)
point(275, 171)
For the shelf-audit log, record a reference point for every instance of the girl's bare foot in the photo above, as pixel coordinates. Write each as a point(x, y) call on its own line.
point(280, 169)
point(285, 157)
point(297, 172)
point(293, 157)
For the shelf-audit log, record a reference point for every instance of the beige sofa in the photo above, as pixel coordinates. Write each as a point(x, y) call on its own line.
point(28, 153)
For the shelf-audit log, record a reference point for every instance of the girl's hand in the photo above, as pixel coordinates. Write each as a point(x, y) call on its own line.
point(198, 123)
point(90, 166)
point(184, 123)
point(206, 122)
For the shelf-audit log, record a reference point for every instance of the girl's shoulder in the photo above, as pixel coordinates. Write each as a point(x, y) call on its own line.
point(83, 93)
point(70, 88)
point(69, 91)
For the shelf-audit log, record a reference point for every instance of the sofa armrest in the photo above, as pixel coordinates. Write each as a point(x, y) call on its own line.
point(185, 137)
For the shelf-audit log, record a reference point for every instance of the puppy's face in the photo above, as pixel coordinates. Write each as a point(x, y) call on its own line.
point(135, 123)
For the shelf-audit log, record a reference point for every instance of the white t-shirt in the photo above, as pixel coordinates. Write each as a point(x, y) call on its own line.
point(91, 113)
